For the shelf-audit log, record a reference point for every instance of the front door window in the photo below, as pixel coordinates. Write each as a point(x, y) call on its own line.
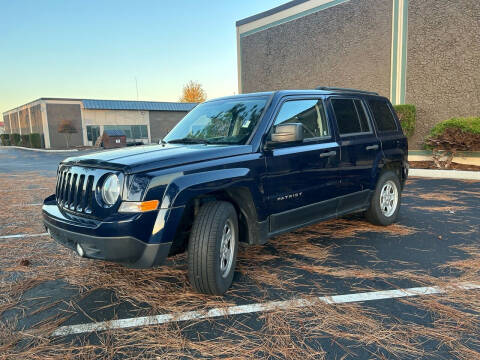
point(309, 113)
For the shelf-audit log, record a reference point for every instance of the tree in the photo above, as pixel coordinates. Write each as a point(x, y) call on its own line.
point(193, 92)
point(67, 128)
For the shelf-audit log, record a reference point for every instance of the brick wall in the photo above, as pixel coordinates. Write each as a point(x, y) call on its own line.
point(36, 119)
point(6, 124)
point(14, 125)
point(24, 121)
point(161, 122)
point(443, 68)
point(58, 112)
point(347, 45)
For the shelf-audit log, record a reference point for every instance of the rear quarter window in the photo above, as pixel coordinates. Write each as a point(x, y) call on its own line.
point(382, 115)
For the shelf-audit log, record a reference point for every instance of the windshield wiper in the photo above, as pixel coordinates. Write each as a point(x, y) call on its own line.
point(188, 140)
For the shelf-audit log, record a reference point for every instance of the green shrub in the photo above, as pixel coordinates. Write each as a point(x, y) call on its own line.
point(15, 139)
point(470, 125)
point(450, 136)
point(5, 139)
point(408, 116)
point(25, 140)
point(36, 140)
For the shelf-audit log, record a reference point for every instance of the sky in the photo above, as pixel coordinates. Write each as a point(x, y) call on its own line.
point(96, 49)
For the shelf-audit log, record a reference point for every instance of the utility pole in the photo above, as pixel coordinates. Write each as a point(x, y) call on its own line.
point(136, 86)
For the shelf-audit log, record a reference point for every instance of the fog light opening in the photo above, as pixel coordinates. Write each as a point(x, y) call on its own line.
point(80, 250)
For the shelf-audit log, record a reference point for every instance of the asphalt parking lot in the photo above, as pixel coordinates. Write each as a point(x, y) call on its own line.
point(51, 299)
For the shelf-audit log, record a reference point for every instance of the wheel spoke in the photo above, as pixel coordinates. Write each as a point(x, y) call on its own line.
point(227, 247)
point(389, 198)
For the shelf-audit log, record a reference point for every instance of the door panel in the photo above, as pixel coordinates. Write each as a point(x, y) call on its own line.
point(357, 161)
point(394, 143)
point(299, 176)
point(304, 174)
point(360, 146)
point(301, 182)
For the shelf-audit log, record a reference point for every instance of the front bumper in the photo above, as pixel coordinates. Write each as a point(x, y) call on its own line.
point(117, 241)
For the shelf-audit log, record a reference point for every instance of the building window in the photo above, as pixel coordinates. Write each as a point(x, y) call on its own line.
point(93, 132)
point(139, 131)
point(383, 115)
point(131, 131)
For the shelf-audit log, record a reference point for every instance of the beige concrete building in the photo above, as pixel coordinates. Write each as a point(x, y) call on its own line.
point(420, 52)
point(141, 121)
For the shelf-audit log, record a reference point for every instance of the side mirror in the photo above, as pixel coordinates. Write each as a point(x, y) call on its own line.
point(291, 132)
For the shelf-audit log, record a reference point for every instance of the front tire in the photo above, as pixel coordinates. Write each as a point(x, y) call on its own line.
point(385, 202)
point(212, 248)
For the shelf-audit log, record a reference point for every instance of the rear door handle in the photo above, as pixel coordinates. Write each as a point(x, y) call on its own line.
point(328, 154)
point(372, 147)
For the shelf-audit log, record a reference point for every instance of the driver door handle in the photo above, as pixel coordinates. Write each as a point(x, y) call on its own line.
point(372, 147)
point(328, 154)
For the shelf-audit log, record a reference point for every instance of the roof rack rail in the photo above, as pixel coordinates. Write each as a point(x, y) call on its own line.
point(345, 89)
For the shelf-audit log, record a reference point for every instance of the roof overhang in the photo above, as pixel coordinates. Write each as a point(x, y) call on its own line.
point(284, 13)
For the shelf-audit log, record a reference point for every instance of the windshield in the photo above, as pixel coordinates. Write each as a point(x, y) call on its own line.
point(229, 121)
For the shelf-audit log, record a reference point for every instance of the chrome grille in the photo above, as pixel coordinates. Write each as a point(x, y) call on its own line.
point(75, 189)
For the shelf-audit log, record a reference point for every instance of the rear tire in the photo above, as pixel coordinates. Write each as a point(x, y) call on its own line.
point(212, 248)
point(385, 202)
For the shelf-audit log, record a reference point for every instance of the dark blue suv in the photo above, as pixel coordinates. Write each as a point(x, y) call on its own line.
point(241, 168)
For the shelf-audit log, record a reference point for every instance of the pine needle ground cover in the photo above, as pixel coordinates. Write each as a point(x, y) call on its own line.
point(435, 242)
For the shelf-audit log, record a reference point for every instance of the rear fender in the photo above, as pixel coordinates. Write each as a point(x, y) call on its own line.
point(399, 166)
point(378, 165)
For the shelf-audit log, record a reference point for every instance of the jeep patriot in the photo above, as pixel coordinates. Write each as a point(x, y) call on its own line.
point(236, 169)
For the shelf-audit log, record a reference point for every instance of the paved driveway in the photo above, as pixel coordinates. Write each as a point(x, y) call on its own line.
point(15, 160)
point(434, 247)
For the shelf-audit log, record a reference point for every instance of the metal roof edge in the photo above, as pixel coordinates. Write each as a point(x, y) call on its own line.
point(135, 105)
point(269, 12)
point(135, 101)
point(82, 100)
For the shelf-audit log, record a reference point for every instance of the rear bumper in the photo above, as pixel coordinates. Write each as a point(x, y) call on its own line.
point(98, 240)
point(405, 169)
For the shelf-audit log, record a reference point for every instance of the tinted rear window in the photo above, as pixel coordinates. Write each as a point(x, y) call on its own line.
point(383, 115)
point(350, 115)
point(363, 118)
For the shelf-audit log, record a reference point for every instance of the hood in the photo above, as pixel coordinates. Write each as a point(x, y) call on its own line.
point(152, 157)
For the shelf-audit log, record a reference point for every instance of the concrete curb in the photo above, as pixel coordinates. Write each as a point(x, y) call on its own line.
point(445, 174)
point(40, 150)
point(472, 160)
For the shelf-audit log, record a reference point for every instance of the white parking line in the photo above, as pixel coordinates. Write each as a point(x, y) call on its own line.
point(21, 235)
point(254, 308)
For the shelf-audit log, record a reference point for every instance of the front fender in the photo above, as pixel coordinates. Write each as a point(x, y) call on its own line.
point(186, 187)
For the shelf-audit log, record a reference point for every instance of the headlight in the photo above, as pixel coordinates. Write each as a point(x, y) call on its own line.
point(111, 189)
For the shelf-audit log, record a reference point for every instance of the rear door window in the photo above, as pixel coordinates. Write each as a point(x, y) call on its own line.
point(382, 115)
point(350, 116)
point(364, 125)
